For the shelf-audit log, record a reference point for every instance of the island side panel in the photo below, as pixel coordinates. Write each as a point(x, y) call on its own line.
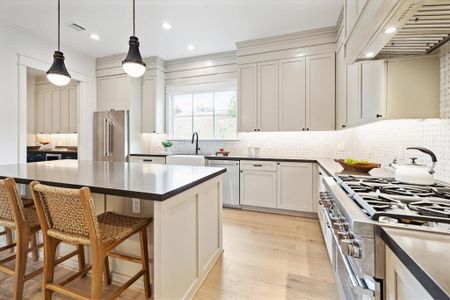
point(187, 239)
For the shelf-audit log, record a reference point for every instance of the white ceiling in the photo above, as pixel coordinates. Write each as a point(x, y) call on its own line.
point(211, 25)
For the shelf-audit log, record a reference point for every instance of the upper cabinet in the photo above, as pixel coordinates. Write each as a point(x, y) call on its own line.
point(392, 89)
point(153, 108)
point(320, 92)
point(113, 92)
point(292, 101)
point(248, 97)
point(287, 83)
point(295, 94)
point(56, 108)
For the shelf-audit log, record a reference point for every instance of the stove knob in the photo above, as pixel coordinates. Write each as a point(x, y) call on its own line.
point(355, 249)
point(345, 235)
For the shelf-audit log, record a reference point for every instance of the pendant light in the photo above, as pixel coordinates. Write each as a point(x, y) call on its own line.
point(58, 74)
point(133, 63)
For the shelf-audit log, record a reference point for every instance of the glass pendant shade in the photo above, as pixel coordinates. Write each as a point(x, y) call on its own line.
point(58, 74)
point(133, 63)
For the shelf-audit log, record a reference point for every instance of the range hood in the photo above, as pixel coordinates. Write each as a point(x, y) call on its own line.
point(422, 34)
point(422, 26)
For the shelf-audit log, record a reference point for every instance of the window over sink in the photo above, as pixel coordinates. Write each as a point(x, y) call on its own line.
point(211, 110)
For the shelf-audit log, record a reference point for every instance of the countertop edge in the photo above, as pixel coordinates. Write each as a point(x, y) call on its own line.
point(149, 155)
point(129, 193)
point(427, 282)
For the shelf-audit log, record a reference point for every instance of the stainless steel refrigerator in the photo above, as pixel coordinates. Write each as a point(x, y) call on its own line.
point(111, 136)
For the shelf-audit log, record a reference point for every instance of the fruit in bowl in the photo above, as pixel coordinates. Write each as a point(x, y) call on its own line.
point(354, 165)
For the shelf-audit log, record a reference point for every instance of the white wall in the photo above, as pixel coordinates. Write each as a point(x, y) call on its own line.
point(15, 42)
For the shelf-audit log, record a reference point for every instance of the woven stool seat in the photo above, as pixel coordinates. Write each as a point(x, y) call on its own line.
point(30, 217)
point(112, 227)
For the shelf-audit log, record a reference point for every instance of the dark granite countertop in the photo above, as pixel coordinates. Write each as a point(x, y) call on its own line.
point(134, 180)
point(56, 150)
point(425, 254)
point(328, 165)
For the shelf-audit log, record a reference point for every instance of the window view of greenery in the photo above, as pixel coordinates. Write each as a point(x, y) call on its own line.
point(212, 114)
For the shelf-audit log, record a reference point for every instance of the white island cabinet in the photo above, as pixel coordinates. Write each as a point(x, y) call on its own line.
point(185, 202)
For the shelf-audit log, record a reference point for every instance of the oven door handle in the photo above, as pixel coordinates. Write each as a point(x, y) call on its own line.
point(358, 284)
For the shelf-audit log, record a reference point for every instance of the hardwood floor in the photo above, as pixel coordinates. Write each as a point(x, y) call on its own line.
point(266, 256)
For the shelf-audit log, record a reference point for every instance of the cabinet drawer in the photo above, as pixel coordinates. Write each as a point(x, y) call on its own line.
point(256, 165)
point(149, 159)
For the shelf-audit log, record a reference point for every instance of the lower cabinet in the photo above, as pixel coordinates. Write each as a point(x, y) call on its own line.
point(295, 186)
point(400, 283)
point(258, 183)
point(278, 185)
point(160, 160)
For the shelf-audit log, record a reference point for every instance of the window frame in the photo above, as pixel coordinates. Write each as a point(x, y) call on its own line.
point(197, 89)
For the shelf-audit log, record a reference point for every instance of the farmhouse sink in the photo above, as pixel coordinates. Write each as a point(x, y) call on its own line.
point(186, 159)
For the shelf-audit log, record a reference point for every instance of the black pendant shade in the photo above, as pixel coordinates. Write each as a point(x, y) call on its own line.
point(58, 66)
point(58, 74)
point(134, 55)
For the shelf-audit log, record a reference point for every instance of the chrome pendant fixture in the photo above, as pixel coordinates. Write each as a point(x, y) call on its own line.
point(133, 63)
point(58, 74)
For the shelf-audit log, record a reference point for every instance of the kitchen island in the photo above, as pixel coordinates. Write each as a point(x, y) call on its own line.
point(184, 201)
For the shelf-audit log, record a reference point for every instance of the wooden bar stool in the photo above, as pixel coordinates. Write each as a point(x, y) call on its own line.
point(21, 217)
point(68, 215)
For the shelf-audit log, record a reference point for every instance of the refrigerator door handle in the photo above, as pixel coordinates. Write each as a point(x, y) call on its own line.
point(105, 137)
point(110, 137)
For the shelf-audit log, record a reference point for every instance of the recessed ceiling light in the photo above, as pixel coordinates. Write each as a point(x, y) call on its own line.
point(94, 36)
point(390, 30)
point(191, 47)
point(370, 54)
point(166, 26)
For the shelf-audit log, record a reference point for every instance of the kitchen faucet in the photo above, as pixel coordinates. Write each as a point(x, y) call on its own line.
point(195, 136)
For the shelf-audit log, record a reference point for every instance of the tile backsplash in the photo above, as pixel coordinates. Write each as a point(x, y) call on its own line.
point(379, 142)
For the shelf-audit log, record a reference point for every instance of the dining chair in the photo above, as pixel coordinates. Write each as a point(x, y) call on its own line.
point(68, 215)
point(19, 215)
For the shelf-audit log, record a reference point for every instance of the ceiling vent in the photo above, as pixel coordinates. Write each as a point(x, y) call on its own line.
point(75, 26)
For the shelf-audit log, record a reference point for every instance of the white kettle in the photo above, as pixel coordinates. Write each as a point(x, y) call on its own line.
point(414, 173)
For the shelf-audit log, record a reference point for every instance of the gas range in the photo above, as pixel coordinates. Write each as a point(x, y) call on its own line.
point(388, 201)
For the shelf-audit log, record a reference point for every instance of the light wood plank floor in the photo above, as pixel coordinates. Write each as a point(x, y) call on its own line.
point(266, 256)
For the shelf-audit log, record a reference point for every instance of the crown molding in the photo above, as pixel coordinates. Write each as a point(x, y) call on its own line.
point(302, 39)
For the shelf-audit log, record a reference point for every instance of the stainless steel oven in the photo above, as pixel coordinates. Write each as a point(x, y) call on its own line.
point(351, 252)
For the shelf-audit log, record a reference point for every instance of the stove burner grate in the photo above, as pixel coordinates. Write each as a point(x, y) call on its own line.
point(431, 208)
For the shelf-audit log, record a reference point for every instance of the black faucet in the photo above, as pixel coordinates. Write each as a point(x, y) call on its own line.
point(195, 136)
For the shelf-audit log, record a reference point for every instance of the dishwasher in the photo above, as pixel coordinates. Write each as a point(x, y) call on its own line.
point(230, 181)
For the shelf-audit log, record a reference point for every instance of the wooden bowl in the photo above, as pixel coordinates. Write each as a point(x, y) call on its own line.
point(360, 168)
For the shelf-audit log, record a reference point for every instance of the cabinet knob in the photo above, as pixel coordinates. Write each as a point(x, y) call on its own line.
point(307, 129)
point(303, 129)
point(344, 126)
point(379, 116)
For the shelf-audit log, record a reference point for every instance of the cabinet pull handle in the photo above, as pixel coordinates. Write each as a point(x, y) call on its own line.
point(379, 116)
point(257, 165)
point(343, 126)
point(148, 160)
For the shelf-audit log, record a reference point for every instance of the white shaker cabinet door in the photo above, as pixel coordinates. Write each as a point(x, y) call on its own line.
point(320, 92)
point(106, 93)
point(292, 94)
point(353, 94)
point(258, 188)
point(65, 111)
point(268, 96)
point(372, 91)
point(73, 110)
point(123, 88)
point(248, 97)
point(341, 90)
point(40, 112)
point(56, 111)
point(295, 186)
point(48, 108)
